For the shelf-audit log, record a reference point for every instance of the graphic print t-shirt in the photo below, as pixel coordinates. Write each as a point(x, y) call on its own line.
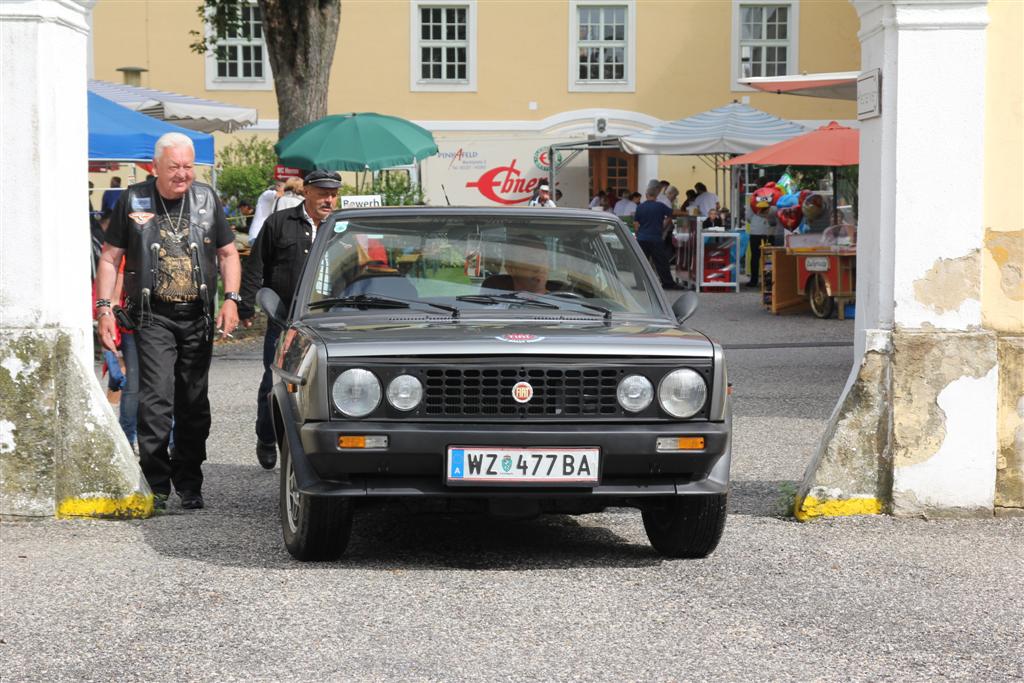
point(174, 281)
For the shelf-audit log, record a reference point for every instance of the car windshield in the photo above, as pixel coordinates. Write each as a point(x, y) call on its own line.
point(464, 265)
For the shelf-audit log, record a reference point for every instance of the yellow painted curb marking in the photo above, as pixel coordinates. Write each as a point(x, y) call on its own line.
point(135, 505)
point(811, 507)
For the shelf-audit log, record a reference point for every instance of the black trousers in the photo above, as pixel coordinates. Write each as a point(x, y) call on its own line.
point(658, 253)
point(174, 365)
point(757, 243)
point(264, 420)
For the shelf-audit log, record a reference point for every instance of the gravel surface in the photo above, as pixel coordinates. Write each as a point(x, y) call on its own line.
point(213, 595)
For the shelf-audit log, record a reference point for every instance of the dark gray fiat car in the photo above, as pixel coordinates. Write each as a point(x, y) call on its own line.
point(505, 361)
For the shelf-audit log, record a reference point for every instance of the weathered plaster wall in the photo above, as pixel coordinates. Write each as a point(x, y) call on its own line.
point(1010, 460)
point(944, 423)
point(60, 452)
point(851, 474)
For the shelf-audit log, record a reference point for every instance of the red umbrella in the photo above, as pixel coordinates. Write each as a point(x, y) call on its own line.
point(831, 145)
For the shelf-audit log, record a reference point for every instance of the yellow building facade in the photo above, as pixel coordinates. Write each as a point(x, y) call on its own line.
point(500, 79)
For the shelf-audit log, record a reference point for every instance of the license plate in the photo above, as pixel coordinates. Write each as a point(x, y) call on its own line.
point(537, 466)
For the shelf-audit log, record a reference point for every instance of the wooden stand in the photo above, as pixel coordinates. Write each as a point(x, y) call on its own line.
point(780, 289)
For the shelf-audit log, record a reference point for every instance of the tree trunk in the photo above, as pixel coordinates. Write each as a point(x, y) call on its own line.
point(301, 36)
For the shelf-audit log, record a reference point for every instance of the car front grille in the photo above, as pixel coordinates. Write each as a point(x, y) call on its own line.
point(480, 390)
point(487, 392)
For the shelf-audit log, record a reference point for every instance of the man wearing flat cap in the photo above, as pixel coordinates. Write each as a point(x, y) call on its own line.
point(543, 197)
point(276, 260)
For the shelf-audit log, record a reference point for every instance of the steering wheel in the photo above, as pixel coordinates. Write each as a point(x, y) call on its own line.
point(567, 294)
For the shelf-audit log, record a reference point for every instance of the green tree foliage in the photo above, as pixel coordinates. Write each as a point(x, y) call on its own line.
point(247, 168)
point(395, 189)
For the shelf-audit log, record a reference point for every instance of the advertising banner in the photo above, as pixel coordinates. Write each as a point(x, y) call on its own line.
point(499, 172)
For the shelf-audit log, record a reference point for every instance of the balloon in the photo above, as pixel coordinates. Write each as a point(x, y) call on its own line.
point(764, 198)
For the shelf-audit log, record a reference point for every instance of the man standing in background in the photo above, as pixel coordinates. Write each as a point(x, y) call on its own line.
point(276, 261)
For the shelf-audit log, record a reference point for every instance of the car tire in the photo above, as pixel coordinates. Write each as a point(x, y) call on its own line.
point(685, 526)
point(315, 528)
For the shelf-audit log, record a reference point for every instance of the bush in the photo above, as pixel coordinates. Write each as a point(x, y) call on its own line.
point(394, 188)
point(247, 169)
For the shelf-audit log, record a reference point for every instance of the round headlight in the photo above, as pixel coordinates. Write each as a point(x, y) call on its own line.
point(635, 393)
point(682, 393)
point(356, 392)
point(405, 392)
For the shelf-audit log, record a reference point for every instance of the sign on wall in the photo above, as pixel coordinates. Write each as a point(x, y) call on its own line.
point(869, 94)
point(360, 201)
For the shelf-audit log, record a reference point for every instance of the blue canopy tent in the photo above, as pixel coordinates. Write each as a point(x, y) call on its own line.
point(120, 134)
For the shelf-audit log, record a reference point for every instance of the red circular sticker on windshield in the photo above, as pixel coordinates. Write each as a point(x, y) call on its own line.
point(522, 392)
point(517, 338)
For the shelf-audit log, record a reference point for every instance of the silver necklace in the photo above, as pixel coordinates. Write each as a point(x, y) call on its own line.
point(181, 211)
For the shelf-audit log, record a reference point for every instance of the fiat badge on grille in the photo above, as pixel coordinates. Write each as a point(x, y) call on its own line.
point(522, 392)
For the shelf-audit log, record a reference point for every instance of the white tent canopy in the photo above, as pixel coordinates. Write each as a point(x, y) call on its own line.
point(182, 110)
point(733, 129)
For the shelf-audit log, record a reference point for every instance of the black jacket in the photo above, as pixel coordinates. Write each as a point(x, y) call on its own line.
point(277, 258)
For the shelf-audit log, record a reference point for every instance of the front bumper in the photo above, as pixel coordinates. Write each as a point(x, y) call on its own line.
point(414, 462)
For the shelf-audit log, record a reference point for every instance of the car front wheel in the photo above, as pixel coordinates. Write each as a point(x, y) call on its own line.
point(685, 526)
point(315, 528)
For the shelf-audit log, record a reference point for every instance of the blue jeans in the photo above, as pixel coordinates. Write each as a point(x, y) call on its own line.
point(264, 419)
point(129, 416)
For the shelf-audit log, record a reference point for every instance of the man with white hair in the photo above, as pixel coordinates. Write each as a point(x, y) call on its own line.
point(172, 233)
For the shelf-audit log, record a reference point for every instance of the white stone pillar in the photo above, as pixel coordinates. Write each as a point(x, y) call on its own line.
point(61, 449)
point(646, 170)
point(915, 431)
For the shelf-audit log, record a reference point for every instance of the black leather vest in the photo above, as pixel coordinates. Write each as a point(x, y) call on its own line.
point(142, 253)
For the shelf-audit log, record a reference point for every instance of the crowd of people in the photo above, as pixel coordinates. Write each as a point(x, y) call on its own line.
point(653, 213)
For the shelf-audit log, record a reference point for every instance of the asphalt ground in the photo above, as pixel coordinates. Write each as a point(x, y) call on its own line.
point(213, 595)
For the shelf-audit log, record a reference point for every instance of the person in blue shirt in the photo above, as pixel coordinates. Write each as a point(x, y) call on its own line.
point(651, 218)
point(110, 196)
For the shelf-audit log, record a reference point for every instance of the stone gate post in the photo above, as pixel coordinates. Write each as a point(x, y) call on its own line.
point(61, 448)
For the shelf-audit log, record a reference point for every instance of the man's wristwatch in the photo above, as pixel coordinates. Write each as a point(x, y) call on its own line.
point(232, 296)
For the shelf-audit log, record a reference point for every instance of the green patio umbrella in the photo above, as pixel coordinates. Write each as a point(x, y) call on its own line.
point(356, 142)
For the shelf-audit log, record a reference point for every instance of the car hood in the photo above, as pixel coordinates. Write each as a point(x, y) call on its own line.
point(402, 336)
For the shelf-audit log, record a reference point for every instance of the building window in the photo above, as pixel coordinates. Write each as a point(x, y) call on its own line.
point(443, 46)
point(239, 61)
point(602, 46)
point(764, 38)
point(601, 49)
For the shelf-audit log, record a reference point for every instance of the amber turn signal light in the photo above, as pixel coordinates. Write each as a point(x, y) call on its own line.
point(351, 441)
point(671, 444)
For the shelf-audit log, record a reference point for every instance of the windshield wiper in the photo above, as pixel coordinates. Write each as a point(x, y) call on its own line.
point(541, 300)
point(510, 298)
point(377, 301)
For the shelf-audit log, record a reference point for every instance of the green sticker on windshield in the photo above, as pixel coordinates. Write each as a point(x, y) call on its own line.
point(341, 226)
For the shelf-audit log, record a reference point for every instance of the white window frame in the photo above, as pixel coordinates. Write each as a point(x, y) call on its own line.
point(575, 84)
point(215, 82)
point(417, 84)
point(792, 49)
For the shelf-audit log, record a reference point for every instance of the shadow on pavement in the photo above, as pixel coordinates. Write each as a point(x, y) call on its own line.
point(240, 527)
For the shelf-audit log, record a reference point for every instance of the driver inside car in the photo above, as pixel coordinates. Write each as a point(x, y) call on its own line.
point(526, 266)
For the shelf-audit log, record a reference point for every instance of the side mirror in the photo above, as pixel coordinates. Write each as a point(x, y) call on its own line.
point(684, 306)
point(272, 305)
